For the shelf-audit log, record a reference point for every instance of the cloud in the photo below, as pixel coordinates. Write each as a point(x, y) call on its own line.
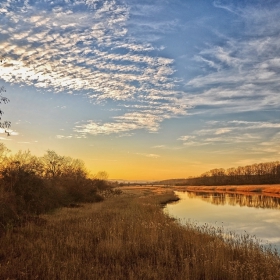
point(222, 131)
point(11, 132)
point(5, 139)
point(186, 138)
point(241, 73)
point(159, 147)
point(227, 5)
point(259, 141)
point(169, 147)
point(128, 122)
point(149, 155)
point(110, 52)
point(254, 125)
point(84, 46)
point(64, 137)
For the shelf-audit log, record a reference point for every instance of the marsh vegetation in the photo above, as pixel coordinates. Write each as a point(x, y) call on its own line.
point(128, 236)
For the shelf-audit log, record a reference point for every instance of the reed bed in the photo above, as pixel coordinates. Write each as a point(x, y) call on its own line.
point(128, 237)
point(271, 190)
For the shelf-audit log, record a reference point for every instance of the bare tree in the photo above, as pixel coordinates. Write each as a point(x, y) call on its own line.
point(4, 100)
point(102, 175)
point(53, 163)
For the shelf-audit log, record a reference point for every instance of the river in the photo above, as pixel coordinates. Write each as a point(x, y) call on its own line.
point(256, 215)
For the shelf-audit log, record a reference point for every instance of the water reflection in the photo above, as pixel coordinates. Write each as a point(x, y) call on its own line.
point(254, 214)
point(257, 201)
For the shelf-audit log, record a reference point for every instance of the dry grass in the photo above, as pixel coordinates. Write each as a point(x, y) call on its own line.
point(128, 237)
point(270, 190)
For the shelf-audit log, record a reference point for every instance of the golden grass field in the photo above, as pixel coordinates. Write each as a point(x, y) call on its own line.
point(128, 236)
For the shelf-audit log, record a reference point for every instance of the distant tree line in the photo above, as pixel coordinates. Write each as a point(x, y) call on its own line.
point(31, 185)
point(258, 173)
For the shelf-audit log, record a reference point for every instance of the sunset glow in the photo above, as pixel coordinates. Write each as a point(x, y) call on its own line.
point(145, 90)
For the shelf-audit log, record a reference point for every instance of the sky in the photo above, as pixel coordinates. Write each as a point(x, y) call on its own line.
point(144, 90)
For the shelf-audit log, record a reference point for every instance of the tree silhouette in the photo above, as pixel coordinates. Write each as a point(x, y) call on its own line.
point(257, 173)
point(4, 100)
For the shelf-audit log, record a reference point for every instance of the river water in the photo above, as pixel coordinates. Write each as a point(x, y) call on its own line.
point(256, 215)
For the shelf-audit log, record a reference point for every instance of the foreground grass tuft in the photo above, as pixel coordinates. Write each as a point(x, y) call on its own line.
point(127, 237)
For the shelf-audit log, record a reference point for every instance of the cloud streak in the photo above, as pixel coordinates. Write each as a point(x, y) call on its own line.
point(252, 137)
point(241, 74)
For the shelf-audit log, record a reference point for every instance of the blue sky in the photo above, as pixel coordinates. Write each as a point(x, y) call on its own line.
point(143, 89)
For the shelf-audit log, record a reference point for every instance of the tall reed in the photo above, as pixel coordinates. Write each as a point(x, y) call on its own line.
point(128, 237)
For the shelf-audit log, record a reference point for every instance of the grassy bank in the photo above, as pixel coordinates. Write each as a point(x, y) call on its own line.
point(127, 237)
point(269, 190)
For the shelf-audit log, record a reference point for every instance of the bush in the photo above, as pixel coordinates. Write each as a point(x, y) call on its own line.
point(31, 186)
point(8, 211)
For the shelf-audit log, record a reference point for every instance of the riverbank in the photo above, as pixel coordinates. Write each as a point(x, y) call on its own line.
point(128, 237)
point(268, 190)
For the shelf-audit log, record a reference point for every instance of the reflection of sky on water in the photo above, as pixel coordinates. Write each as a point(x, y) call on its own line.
point(234, 212)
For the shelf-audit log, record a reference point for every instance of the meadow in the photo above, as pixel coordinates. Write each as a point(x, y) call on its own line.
point(128, 236)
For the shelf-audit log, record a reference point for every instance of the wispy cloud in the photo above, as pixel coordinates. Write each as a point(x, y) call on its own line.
point(238, 133)
point(125, 123)
point(9, 131)
point(167, 147)
point(143, 119)
point(159, 147)
point(64, 137)
point(149, 155)
point(222, 131)
point(241, 74)
point(186, 138)
point(5, 138)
